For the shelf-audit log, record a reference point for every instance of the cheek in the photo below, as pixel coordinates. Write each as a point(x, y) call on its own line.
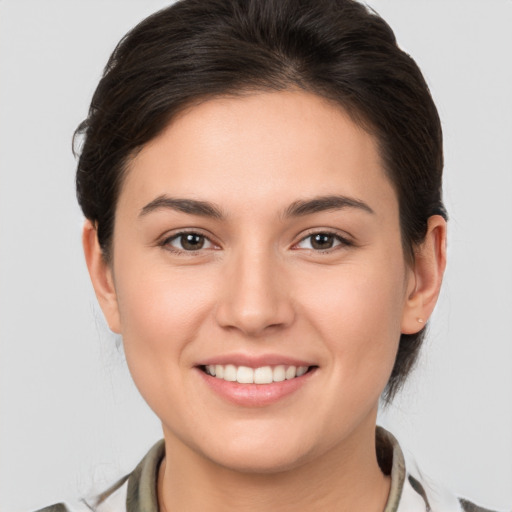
point(161, 314)
point(160, 307)
point(358, 314)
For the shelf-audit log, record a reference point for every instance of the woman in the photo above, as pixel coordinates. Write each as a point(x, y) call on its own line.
point(265, 229)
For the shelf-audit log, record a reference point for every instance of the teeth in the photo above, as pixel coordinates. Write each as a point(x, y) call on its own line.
point(245, 375)
point(291, 371)
point(301, 370)
point(279, 373)
point(261, 375)
point(230, 372)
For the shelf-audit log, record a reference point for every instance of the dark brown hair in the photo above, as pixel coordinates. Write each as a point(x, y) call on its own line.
point(196, 49)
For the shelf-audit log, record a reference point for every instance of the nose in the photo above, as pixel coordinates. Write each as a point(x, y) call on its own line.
point(255, 298)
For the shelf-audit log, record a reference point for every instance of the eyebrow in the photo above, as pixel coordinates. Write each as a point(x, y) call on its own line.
point(298, 208)
point(190, 206)
point(324, 203)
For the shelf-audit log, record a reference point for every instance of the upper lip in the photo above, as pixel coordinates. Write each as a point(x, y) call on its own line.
point(254, 361)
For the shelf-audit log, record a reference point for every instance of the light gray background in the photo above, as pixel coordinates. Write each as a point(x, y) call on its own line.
point(71, 420)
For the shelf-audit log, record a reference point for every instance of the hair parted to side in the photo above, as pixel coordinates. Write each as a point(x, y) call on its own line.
point(200, 49)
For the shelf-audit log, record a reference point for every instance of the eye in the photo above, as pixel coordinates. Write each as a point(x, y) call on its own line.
point(187, 242)
point(322, 241)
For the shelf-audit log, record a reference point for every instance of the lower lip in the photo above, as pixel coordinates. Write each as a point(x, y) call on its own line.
point(255, 395)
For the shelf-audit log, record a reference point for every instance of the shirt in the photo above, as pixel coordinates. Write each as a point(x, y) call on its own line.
point(409, 492)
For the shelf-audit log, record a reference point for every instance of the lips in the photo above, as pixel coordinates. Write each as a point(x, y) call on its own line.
point(255, 381)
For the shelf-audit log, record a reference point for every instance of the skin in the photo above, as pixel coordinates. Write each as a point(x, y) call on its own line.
point(259, 286)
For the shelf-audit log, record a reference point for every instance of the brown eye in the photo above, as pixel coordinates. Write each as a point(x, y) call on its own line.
point(192, 241)
point(188, 242)
point(323, 241)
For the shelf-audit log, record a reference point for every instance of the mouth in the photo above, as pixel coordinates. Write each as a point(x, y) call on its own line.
point(260, 375)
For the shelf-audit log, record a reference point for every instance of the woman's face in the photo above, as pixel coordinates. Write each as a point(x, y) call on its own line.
point(260, 232)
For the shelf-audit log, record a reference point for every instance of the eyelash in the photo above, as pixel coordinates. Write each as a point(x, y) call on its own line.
point(166, 242)
point(343, 241)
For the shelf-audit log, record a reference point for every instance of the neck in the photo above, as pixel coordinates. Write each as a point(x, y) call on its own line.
point(346, 478)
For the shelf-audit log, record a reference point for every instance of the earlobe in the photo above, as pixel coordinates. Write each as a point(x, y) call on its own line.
point(425, 283)
point(101, 276)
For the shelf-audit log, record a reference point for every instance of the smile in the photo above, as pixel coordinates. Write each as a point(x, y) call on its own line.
point(260, 375)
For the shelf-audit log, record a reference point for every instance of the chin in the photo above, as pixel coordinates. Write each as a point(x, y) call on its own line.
point(256, 462)
point(259, 453)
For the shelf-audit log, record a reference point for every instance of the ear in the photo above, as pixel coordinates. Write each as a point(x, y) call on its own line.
point(426, 276)
point(101, 276)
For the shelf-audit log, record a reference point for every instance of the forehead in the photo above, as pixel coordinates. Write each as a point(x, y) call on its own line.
point(260, 149)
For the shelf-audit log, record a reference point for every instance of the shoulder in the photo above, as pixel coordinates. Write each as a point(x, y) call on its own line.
point(135, 491)
point(58, 507)
point(467, 506)
point(111, 500)
point(411, 490)
point(67, 507)
point(437, 499)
